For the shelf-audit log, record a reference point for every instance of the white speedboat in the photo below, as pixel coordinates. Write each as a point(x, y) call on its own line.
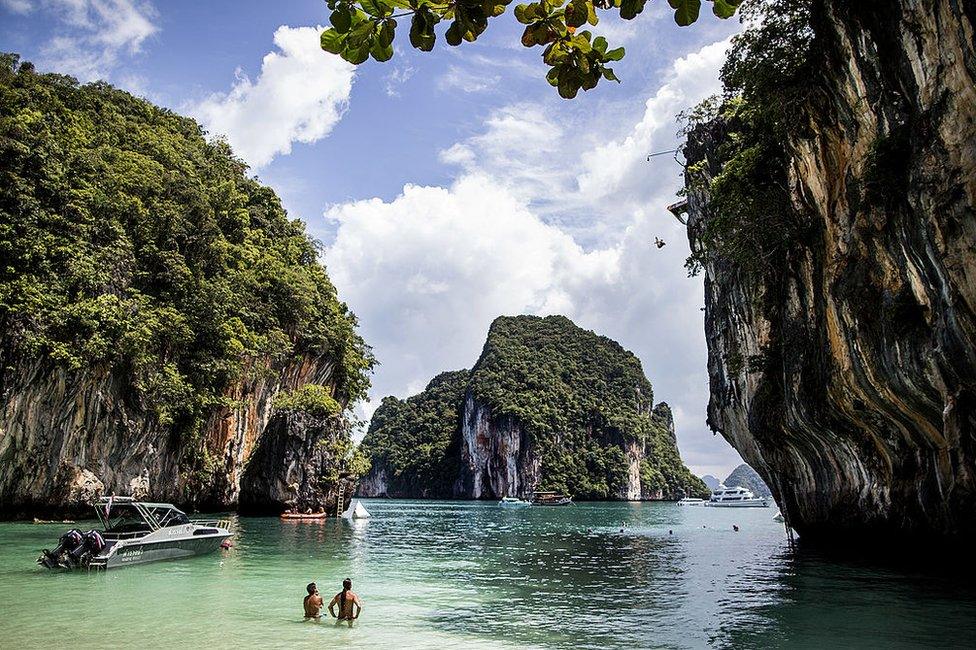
point(551, 499)
point(513, 502)
point(736, 497)
point(778, 517)
point(135, 532)
point(691, 501)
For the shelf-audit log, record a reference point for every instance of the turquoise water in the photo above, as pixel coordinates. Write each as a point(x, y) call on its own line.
point(460, 574)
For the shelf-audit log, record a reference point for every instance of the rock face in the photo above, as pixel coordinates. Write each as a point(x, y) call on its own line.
point(155, 303)
point(745, 476)
point(858, 401)
point(711, 482)
point(69, 437)
point(497, 455)
point(547, 406)
point(296, 465)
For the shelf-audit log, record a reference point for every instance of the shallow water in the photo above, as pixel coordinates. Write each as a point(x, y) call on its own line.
point(461, 574)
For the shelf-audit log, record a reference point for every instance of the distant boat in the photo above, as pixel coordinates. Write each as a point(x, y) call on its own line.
point(736, 497)
point(302, 516)
point(551, 499)
point(513, 502)
point(779, 517)
point(690, 501)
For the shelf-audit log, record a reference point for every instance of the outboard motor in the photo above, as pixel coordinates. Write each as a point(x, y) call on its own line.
point(71, 541)
point(90, 546)
point(94, 542)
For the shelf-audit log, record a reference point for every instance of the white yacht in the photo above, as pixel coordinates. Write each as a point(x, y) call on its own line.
point(691, 501)
point(736, 497)
point(135, 532)
point(513, 502)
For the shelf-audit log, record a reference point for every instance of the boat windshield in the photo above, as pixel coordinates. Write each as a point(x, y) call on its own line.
point(125, 518)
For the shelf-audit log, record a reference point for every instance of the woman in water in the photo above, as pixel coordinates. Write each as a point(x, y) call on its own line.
point(346, 599)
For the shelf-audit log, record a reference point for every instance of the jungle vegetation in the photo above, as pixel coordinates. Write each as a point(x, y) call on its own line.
point(580, 398)
point(131, 244)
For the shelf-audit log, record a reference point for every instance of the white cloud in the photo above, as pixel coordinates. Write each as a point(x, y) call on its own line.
point(299, 96)
point(399, 75)
point(428, 271)
point(94, 33)
point(458, 78)
point(17, 6)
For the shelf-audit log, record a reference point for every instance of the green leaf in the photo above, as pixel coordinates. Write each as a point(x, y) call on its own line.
point(609, 75)
point(591, 16)
point(378, 8)
point(576, 13)
point(553, 77)
point(341, 18)
point(381, 52)
point(614, 55)
point(332, 41)
point(387, 32)
point(356, 55)
point(724, 8)
point(600, 44)
point(422, 34)
point(360, 34)
point(581, 43)
point(453, 34)
point(526, 13)
point(630, 8)
point(685, 11)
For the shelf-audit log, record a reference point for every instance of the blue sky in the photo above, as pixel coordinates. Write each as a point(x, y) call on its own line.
point(448, 187)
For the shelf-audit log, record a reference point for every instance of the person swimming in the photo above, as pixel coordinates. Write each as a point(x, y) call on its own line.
point(346, 599)
point(313, 602)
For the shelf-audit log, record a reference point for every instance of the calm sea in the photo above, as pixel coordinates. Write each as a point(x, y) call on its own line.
point(460, 574)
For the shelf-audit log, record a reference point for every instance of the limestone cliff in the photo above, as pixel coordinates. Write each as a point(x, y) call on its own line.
point(155, 304)
point(845, 370)
point(547, 406)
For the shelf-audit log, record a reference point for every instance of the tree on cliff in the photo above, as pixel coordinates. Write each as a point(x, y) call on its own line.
point(134, 247)
point(364, 28)
point(577, 406)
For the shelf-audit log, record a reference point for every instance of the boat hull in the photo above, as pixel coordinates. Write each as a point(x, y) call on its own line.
point(138, 552)
point(738, 504)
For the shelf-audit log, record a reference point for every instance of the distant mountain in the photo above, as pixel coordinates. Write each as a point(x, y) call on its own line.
point(547, 406)
point(745, 476)
point(711, 481)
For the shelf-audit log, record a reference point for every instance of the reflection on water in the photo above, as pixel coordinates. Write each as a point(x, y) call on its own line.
point(457, 574)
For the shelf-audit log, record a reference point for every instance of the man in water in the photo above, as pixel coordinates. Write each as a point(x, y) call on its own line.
point(346, 599)
point(313, 602)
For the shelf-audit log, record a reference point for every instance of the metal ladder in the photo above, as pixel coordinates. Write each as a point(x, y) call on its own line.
point(339, 499)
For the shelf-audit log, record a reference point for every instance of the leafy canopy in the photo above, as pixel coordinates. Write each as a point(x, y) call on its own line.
point(132, 245)
point(768, 77)
point(582, 400)
point(366, 28)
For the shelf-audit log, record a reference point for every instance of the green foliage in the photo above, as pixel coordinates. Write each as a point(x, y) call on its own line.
point(766, 77)
point(310, 398)
point(364, 28)
point(581, 398)
point(349, 458)
point(131, 244)
point(412, 438)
